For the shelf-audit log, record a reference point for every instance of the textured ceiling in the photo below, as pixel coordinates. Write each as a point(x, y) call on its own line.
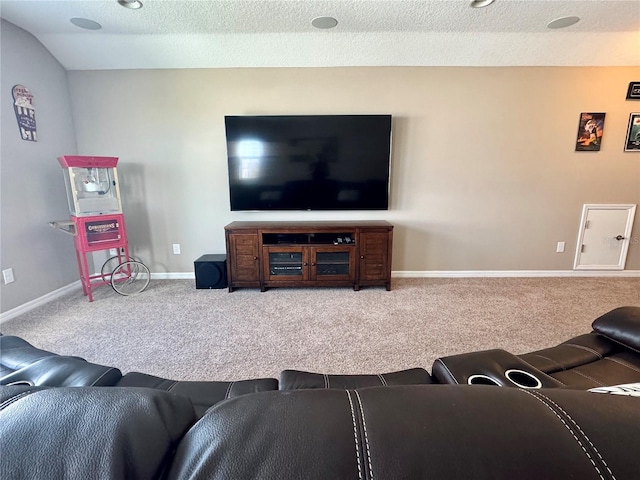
point(276, 33)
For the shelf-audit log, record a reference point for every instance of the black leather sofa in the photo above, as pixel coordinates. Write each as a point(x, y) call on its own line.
point(395, 432)
point(23, 364)
point(609, 355)
point(64, 417)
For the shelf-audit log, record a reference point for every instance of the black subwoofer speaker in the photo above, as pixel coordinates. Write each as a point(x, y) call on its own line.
point(211, 271)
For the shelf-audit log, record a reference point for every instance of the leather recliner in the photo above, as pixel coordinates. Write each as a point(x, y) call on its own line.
point(419, 431)
point(22, 363)
point(609, 355)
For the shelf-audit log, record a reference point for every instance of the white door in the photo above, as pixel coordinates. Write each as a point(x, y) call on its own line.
point(604, 238)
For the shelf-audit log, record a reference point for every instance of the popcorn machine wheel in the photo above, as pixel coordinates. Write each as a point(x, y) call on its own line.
point(126, 275)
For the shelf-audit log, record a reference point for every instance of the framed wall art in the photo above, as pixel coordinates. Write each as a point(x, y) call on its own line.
point(633, 93)
point(633, 134)
point(590, 131)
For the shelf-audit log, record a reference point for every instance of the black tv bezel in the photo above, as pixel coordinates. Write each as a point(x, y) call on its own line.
point(301, 209)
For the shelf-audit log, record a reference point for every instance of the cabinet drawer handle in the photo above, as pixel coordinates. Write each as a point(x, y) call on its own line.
point(255, 258)
point(305, 264)
point(313, 264)
point(361, 256)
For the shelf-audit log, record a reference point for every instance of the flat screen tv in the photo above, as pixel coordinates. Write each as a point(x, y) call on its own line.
point(309, 162)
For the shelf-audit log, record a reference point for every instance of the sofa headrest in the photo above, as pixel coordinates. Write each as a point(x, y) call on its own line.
point(621, 325)
point(202, 394)
point(106, 433)
point(61, 371)
point(418, 431)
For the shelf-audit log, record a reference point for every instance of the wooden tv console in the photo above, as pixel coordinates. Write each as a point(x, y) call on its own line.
point(295, 254)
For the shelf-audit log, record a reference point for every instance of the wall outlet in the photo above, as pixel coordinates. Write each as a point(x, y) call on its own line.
point(7, 275)
point(560, 247)
point(176, 249)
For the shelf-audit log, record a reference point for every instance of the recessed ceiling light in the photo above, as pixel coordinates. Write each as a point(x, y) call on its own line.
point(563, 22)
point(85, 23)
point(324, 22)
point(480, 3)
point(132, 4)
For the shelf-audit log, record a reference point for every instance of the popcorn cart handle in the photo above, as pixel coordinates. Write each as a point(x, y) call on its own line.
point(65, 226)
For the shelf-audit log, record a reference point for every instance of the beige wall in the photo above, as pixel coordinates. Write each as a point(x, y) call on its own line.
point(484, 172)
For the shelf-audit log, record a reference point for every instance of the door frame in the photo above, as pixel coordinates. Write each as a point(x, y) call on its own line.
point(631, 207)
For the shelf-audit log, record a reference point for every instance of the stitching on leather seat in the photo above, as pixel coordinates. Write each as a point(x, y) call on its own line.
point(581, 431)
point(355, 434)
point(562, 367)
point(623, 363)
point(366, 437)
point(11, 400)
point(172, 385)
point(584, 348)
point(100, 377)
point(449, 371)
point(326, 380)
point(573, 434)
point(382, 380)
point(228, 392)
point(587, 376)
point(560, 382)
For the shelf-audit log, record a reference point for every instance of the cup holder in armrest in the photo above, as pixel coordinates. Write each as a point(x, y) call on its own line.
point(523, 379)
point(491, 367)
point(482, 380)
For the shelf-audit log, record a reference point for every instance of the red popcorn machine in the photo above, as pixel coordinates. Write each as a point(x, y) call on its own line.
point(96, 223)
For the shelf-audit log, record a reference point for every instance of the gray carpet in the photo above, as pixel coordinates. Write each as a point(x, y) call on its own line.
point(175, 331)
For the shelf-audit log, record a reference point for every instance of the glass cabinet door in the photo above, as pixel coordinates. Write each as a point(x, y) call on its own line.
point(286, 263)
point(329, 262)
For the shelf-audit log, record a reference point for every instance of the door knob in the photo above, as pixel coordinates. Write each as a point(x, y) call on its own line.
point(619, 237)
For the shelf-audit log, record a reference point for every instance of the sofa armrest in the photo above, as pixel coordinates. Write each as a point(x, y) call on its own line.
point(16, 353)
point(61, 371)
point(622, 325)
point(490, 367)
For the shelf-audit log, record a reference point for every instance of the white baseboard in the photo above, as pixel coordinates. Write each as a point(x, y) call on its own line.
point(174, 276)
point(38, 302)
point(462, 274)
point(514, 273)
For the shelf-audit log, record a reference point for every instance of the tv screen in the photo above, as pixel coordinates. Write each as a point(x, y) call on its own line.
point(309, 162)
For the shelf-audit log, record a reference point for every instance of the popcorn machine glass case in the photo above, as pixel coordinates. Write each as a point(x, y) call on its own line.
point(92, 185)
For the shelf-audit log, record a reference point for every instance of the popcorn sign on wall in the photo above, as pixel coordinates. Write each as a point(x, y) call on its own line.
point(25, 113)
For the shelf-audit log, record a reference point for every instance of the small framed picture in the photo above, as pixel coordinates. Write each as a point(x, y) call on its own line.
point(590, 131)
point(633, 134)
point(634, 91)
